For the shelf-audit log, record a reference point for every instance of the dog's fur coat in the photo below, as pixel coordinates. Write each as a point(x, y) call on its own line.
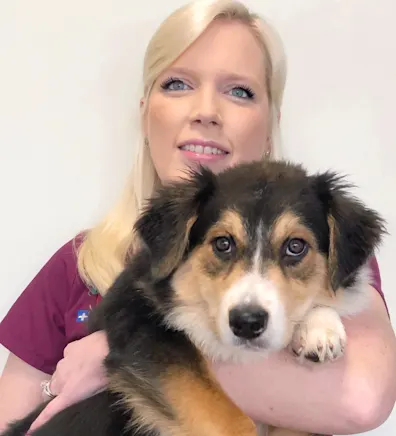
point(229, 267)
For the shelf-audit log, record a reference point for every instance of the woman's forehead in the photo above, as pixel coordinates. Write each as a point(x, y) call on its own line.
point(227, 48)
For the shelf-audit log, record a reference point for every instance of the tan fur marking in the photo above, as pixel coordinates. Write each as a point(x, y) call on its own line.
point(332, 249)
point(195, 288)
point(230, 223)
point(202, 408)
point(146, 415)
point(289, 225)
point(314, 263)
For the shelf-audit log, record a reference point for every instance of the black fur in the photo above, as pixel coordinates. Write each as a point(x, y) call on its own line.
point(358, 228)
point(142, 346)
point(97, 415)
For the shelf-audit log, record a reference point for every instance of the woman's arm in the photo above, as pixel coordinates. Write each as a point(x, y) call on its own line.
point(20, 390)
point(352, 395)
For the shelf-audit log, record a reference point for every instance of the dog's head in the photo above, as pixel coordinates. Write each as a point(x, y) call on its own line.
point(249, 251)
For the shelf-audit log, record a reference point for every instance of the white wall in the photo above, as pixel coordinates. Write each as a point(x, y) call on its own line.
point(69, 79)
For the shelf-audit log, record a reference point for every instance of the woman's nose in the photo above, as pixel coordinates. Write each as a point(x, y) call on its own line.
point(206, 108)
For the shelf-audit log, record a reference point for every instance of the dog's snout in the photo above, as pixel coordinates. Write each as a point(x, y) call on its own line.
point(248, 322)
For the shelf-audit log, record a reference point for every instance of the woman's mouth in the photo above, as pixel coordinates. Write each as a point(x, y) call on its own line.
point(203, 152)
point(201, 149)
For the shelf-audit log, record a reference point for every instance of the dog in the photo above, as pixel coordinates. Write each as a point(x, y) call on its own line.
point(229, 267)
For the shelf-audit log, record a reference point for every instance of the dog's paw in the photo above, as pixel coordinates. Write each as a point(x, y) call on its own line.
point(320, 337)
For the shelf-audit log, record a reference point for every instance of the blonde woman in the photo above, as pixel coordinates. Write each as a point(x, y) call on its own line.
point(214, 76)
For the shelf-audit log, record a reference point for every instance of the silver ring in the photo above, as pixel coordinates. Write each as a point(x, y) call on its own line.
point(45, 386)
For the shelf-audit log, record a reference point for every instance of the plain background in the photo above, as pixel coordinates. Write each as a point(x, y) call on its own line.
point(69, 94)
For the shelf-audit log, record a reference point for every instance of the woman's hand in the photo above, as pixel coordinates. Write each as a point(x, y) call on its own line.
point(79, 375)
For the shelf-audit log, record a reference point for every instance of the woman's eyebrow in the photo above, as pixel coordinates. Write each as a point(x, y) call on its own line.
point(238, 77)
point(229, 75)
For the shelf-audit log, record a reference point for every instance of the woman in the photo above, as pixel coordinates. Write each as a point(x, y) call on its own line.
point(214, 77)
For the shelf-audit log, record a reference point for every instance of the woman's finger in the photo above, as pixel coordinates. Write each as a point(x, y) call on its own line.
point(55, 406)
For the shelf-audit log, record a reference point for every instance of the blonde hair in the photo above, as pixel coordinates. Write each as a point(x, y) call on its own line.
point(106, 247)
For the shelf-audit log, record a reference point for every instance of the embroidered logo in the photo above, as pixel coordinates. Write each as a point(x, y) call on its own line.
point(82, 315)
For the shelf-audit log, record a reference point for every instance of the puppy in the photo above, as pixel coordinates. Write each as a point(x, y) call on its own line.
point(230, 267)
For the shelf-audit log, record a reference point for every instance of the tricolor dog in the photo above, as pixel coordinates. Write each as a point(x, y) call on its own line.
point(230, 267)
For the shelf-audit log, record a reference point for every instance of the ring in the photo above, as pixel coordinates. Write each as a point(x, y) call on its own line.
point(45, 385)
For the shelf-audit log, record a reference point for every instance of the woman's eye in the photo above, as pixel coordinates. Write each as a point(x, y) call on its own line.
point(175, 85)
point(241, 92)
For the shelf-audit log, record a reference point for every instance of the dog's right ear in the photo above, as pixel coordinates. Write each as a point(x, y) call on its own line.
point(166, 221)
point(355, 230)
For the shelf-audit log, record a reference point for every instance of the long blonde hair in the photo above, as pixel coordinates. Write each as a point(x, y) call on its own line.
point(106, 247)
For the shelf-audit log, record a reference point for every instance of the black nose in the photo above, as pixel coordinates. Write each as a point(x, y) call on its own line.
point(248, 322)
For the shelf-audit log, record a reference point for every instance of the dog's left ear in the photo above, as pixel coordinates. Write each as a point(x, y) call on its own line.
point(165, 224)
point(354, 229)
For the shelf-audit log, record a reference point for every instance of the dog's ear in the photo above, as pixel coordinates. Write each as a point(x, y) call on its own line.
point(354, 229)
point(165, 224)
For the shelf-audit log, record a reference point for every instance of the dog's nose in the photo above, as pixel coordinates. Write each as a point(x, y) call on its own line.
point(248, 322)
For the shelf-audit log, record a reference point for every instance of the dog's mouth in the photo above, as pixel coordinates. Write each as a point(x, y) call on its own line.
point(256, 345)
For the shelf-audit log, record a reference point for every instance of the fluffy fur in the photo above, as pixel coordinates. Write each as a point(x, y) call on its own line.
point(230, 267)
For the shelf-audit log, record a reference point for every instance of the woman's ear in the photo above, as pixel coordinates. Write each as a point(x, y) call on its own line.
point(143, 117)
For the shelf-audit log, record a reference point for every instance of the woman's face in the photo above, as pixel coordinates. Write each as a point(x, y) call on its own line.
point(211, 106)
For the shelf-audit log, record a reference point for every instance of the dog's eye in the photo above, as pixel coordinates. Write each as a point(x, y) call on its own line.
point(223, 245)
point(296, 247)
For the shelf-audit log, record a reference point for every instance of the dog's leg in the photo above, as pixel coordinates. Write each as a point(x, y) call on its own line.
point(320, 337)
point(202, 408)
point(184, 401)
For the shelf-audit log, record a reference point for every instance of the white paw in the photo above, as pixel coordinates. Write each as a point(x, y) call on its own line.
point(320, 337)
